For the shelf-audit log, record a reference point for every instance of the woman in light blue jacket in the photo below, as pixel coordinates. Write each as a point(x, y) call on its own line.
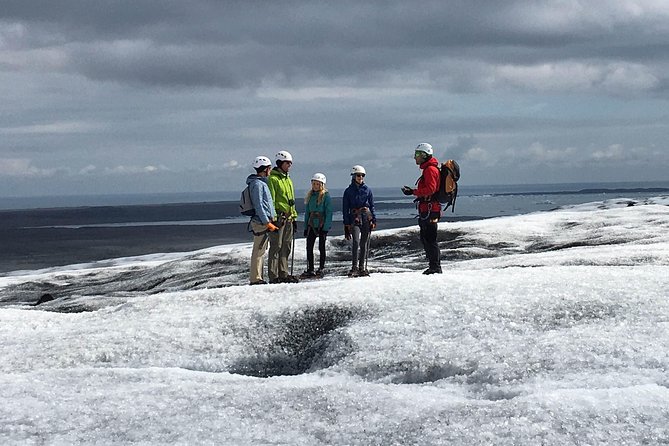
point(317, 222)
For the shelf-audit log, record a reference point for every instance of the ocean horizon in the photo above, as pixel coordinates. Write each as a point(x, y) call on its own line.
point(139, 198)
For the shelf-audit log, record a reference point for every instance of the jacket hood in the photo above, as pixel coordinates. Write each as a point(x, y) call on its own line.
point(254, 177)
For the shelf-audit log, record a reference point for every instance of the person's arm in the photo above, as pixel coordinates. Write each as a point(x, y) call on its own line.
point(370, 200)
point(307, 210)
point(327, 210)
point(291, 196)
point(346, 208)
point(255, 191)
point(272, 185)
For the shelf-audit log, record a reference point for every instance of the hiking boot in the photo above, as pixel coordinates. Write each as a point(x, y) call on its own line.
point(363, 273)
point(355, 272)
point(308, 274)
point(319, 273)
point(258, 282)
point(433, 270)
point(289, 279)
point(277, 280)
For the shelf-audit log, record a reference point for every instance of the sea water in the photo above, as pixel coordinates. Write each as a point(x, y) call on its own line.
point(474, 201)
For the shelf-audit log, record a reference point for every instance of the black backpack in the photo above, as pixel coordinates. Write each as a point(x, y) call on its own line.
point(449, 174)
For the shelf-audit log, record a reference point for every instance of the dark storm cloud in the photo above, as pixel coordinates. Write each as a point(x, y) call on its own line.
point(244, 43)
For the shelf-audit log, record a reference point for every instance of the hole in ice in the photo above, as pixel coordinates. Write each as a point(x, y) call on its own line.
point(308, 340)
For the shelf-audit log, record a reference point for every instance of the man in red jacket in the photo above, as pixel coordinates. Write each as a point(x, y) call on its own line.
point(429, 209)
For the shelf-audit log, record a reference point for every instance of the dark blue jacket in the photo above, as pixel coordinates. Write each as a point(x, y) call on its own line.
point(356, 197)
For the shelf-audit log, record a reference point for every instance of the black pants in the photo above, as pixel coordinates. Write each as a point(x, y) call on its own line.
point(311, 240)
point(428, 237)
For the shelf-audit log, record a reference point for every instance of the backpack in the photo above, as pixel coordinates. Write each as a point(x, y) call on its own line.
point(449, 174)
point(245, 204)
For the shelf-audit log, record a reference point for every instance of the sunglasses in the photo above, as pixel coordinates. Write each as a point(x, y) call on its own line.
point(362, 175)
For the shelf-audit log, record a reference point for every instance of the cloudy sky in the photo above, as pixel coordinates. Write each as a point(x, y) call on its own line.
point(126, 96)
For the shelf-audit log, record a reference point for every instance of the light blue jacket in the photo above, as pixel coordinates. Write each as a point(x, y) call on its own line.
point(324, 209)
point(261, 199)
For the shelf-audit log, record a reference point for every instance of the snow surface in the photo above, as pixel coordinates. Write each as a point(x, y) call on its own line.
point(547, 328)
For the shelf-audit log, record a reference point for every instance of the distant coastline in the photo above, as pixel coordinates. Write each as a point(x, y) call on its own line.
point(634, 190)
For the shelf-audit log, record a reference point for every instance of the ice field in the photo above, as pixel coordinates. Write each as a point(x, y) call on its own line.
point(548, 328)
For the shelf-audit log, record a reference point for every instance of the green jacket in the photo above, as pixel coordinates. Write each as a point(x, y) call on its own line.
point(283, 193)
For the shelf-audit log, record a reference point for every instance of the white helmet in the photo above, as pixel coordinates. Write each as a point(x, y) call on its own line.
point(425, 147)
point(283, 156)
point(261, 161)
point(357, 169)
point(318, 177)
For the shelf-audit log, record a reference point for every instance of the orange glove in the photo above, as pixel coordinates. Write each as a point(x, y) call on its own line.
point(372, 225)
point(347, 232)
point(271, 227)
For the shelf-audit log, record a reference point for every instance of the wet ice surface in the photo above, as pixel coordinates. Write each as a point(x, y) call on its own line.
point(548, 328)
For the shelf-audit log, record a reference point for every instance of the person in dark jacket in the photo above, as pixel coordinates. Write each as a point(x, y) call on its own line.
point(429, 208)
point(317, 222)
point(359, 219)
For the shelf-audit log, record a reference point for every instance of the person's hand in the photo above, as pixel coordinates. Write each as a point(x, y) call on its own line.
point(406, 190)
point(306, 231)
point(323, 233)
point(294, 225)
point(372, 225)
point(271, 227)
point(347, 232)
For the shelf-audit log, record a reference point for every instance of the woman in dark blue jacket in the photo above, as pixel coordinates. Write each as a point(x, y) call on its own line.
point(359, 219)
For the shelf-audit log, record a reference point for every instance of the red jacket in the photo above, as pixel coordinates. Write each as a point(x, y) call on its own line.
point(428, 185)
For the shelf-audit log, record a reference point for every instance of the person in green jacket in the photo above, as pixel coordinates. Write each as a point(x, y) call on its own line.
point(280, 242)
point(317, 222)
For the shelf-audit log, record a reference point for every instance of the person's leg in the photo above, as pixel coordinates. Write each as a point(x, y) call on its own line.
point(364, 236)
point(321, 250)
point(431, 238)
point(423, 241)
point(275, 239)
point(311, 241)
point(286, 246)
point(428, 231)
point(260, 243)
point(354, 246)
